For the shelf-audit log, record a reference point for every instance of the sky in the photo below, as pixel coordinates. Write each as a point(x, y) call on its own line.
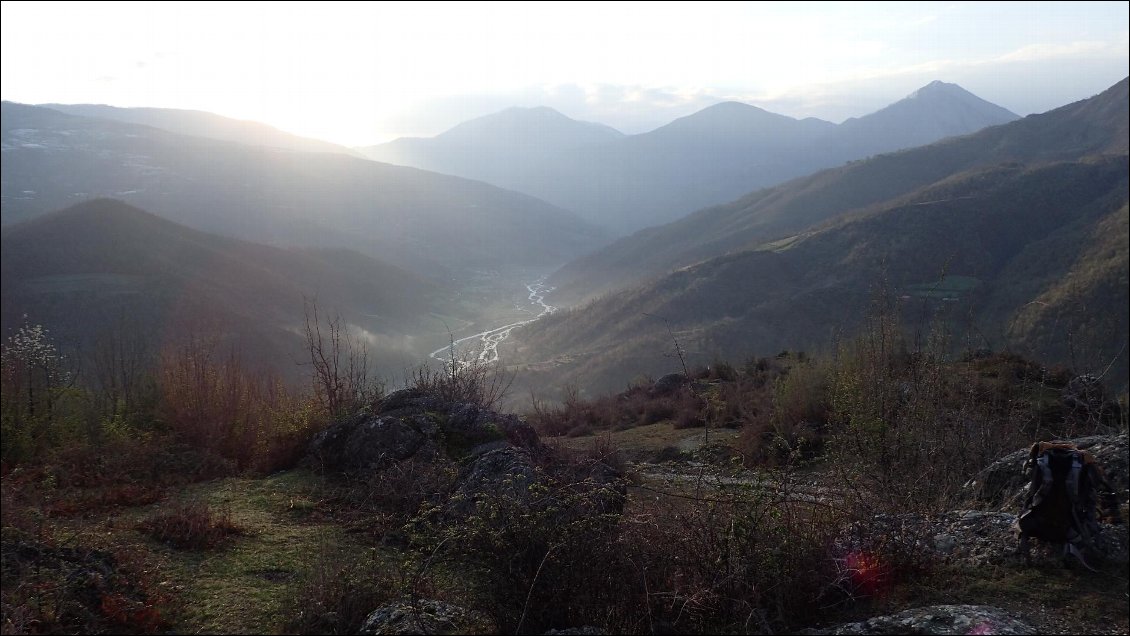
point(359, 73)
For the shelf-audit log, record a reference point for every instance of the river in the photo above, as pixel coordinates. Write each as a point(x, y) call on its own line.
point(491, 338)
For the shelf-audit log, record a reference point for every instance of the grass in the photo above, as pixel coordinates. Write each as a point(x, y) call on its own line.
point(1069, 600)
point(643, 443)
point(248, 584)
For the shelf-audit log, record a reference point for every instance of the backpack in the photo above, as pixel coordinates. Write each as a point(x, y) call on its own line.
point(1062, 503)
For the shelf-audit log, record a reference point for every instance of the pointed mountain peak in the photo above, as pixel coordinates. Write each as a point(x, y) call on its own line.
point(938, 88)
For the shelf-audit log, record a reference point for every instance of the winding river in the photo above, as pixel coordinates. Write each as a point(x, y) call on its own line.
point(490, 339)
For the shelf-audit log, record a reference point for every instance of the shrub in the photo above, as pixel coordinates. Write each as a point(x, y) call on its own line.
point(337, 591)
point(464, 380)
point(214, 402)
point(191, 525)
point(77, 590)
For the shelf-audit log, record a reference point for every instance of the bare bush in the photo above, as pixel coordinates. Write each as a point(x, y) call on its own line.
point(464, 379)
point(340, 366)
point(191, 525)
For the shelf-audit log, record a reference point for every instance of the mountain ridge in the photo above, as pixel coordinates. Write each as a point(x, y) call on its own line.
point(708, 157)
point(199, 123)
point(983, 229)
point(85, 268)
point(419, 220)
point(1091, 126)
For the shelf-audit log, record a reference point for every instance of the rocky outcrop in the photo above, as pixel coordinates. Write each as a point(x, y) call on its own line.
point(967, 537)
point(411, 424)
point(1002, 486)
point(511, 476)
point(668, 383)
point(937, 619)
point(422, 616)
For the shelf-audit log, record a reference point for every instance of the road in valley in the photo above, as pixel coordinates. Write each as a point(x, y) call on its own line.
point(490, 339)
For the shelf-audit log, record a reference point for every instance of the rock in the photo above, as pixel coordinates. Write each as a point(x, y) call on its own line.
point(422, 616)
point(1004, 484)
point(944, 543)
point(510, 475)
point(968, 537)
point(937, 619)
point(668, 383)
point(474, 425)
point(366, 442)
point(414, 424)
point(414, 399)
point(586, 630)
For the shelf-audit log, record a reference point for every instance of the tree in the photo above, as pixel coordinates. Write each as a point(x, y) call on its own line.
point(32, 372)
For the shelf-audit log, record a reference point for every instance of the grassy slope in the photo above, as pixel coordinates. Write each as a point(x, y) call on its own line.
point(246, 586)
point(84, 270)
point(1020, 232)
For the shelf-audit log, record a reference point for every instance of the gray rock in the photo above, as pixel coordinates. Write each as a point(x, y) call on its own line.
point(587, 630)
point(937, 619)
point(668, 383)
point(968, 537)
point(366, 442)
point(412, 424)
point(510, 475)
point(945, 543)
point(507, 473)
point(422, 616)
point(1003, 484)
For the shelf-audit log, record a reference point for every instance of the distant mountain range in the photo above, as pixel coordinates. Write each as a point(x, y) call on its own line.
point(1089, 127)
point(200, 123)
point(629, 182)
point(103, 265)
point(425, 222)
point(1015, 237)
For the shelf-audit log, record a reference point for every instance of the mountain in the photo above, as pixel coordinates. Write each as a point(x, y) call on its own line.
point(712, 156)
point(1088, 127)
point(935, 111)
point(1013, 237)
point(418, 220)
point(199, 123)
point(103, 264)
point(514, 149)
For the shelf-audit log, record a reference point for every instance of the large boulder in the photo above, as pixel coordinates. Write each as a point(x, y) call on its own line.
point(937, 619)
point(1003, 484)
point(367, 442)
point(413, 424)
point(668, 384)
point(512, 478)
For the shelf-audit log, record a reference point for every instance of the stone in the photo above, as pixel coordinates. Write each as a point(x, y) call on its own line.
point(412, 424)
point(422, 616)
point(668, 383)
point(937, 619)
point(945, 543)
point(1004, 484)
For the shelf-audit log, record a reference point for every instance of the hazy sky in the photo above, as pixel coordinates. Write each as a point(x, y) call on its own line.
point(359, 73)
